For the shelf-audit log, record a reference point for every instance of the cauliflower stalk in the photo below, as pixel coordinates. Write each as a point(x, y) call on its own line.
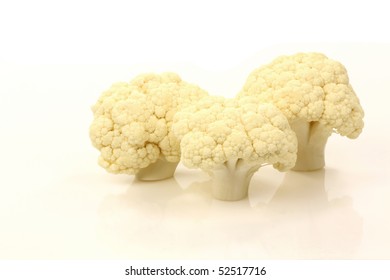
point(132, 125)
point(314, 93)
point(231, 139)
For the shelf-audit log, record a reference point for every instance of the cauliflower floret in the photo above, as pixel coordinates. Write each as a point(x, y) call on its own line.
point(132, 124)
point(231, 142)
point(315, 95)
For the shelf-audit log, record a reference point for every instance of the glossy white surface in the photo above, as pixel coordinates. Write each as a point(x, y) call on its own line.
point(55, 202)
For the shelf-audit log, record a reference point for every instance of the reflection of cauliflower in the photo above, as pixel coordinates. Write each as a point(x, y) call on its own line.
point(132, 125)
point(314, 93)
point(232, 139)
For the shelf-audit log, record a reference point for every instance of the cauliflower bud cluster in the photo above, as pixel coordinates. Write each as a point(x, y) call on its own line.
point(132, 122)
point(315, 94)
point(231, 139)
point(216, 130)
point(309, 86)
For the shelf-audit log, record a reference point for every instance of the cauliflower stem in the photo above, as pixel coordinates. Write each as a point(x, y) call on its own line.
point(159, 170)
point(312, 138)
point(231, 180)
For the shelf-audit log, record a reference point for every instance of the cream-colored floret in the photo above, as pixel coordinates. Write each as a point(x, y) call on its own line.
point(231, 139)
point(309, 86)
point(314, 93)
point(132, 122)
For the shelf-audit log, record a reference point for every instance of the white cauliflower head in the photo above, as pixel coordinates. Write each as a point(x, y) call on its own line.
point(215, 130)
point(309, 87)
point(132, 121)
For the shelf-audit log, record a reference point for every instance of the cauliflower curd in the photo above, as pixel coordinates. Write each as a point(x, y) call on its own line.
point(231, 139)
point(132, 125)
point(314, 93)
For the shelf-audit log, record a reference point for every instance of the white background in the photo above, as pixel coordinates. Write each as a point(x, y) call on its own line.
point(56, 202)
